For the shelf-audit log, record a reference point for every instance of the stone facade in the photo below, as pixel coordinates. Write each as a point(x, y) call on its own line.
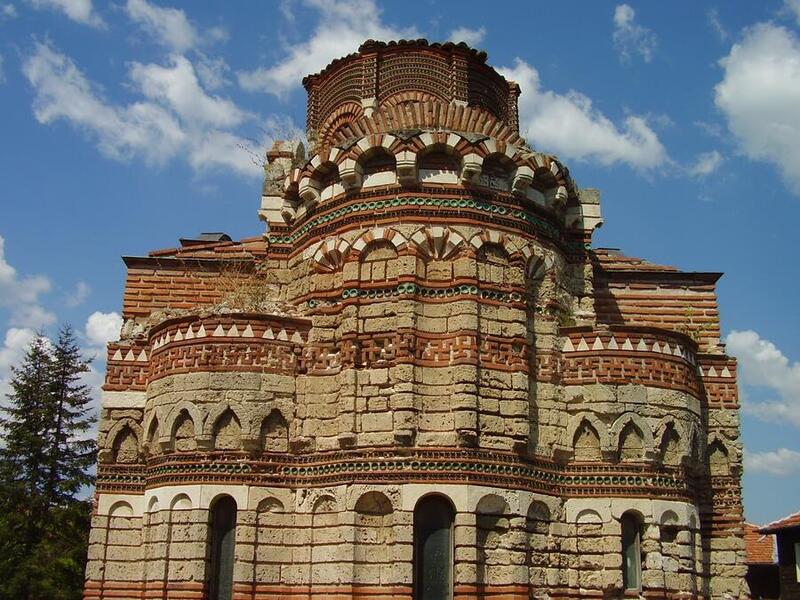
point(424, 315)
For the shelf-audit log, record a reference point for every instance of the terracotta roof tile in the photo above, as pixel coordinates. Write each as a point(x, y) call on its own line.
point(612, 259)
point(785, 523)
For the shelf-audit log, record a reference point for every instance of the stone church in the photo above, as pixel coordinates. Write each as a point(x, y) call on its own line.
point(422, 381)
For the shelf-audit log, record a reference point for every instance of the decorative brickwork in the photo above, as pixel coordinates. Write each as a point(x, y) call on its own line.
point(424, 317)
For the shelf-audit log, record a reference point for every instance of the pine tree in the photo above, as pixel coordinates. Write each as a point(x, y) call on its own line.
point(44, 467)
point(70, 453)
point(23, 468)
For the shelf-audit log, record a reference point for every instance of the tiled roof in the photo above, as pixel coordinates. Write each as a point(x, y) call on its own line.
point(785, 523)
point(613, 259)
point(760, 547)
point(246, 247)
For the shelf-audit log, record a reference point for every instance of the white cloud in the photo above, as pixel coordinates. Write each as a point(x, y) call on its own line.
point(343, 26)
point(8, 11)
point(760, 97)
point(472, 37)
point(62, 92)
point(630, 38)
point(178, 88)
point(716, 24)
point(79, 295)
point(80, 11)
point(176, 119)
point(21, 295)
point(706, 163)
point(169, 26)
point(15, 345)
point(793, 7)
point(213, 72)
point(761, 363)
point(568, 124)
point(102, 328)
point(781, 462)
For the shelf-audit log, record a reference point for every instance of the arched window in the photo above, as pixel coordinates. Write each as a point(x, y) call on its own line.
point(433, 549)
point(223, 546)
point(631, 551)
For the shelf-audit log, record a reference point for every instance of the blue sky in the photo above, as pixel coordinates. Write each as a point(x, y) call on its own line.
point(126, 125)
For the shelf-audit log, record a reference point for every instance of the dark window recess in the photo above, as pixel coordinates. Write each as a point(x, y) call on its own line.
point(379, 162)
point(433, 549)
point(223, 547)
point(439, 161)
point(631, 552)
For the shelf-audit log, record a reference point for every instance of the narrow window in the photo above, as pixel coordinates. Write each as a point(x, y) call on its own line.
point(631, 553)
point(433, 549)
point(223, 542)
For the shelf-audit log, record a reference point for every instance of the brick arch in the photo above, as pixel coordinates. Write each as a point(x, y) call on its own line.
point(386, 234)
point(491, 236)
point(449, 143)
point(370, 145)
point(506, 167)
point(437, 242)
point(311, 183)
point(343, 115)
point(397, 116)
point(328, 256)
point(537, 267)
point(400, 98)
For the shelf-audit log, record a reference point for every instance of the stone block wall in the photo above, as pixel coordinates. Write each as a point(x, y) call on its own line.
point(424, 316)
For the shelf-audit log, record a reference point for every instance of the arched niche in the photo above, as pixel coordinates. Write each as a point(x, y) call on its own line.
point(376, 259)
point(125, 448)
point(631, 443)
point(497, 172)
point(378, 167)
point(669, 448)
point(374, 539)
point(183, 433)
point(271, 551)
point(274, 433)
point(492, 529)
point(438, 164)
point(227, 431)
point(586, 443)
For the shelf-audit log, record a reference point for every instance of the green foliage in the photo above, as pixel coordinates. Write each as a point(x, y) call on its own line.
point(44, 465)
